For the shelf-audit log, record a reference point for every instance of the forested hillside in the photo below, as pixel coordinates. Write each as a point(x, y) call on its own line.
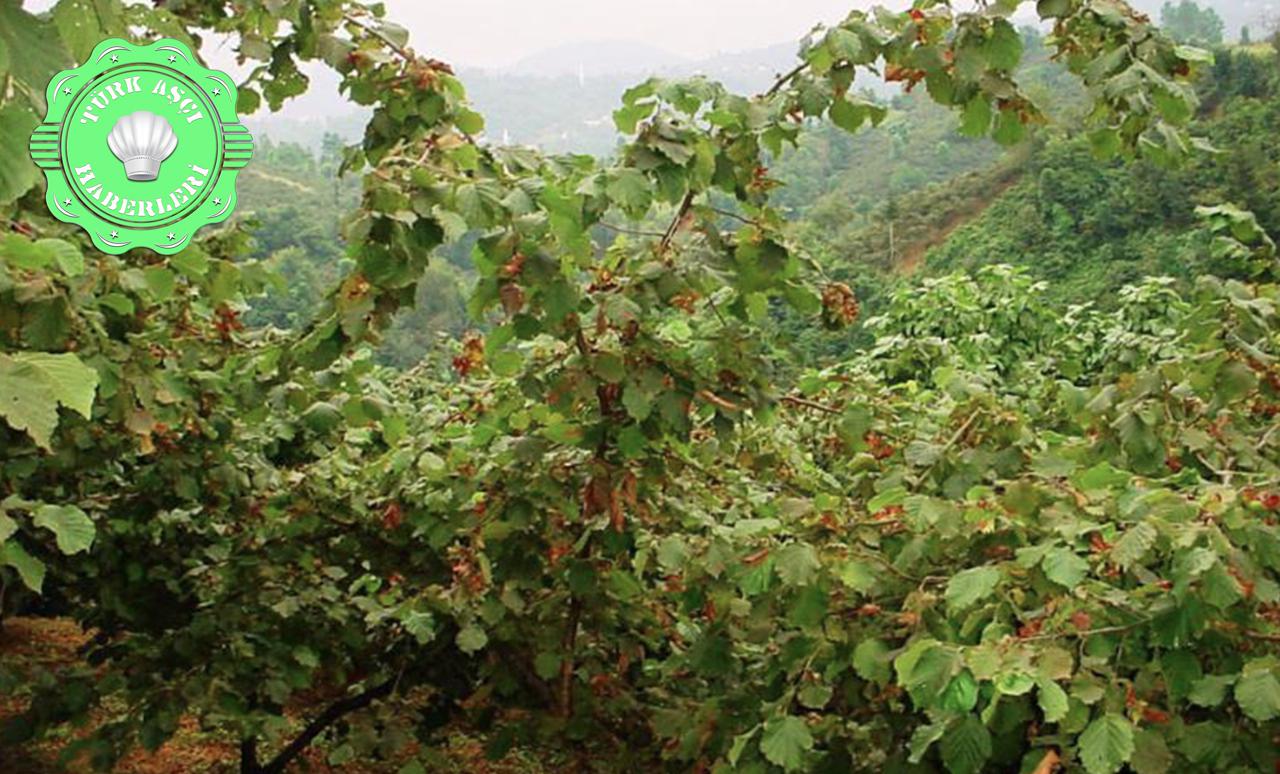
point(452, 455)
point(1093, 226)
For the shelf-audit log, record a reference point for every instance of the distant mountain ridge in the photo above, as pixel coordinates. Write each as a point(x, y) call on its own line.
point(561, 98)
point(594, 58)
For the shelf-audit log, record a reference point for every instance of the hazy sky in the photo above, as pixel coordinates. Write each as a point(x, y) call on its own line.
point(493, 33)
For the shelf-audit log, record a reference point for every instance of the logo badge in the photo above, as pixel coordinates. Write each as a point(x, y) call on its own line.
point(141, 146)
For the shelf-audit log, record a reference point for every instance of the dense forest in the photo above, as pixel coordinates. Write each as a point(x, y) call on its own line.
point(825, 426)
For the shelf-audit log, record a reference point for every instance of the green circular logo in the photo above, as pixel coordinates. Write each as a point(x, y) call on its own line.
point(141, 146)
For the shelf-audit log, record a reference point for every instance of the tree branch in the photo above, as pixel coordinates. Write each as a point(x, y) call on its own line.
point(786, 78)
point(249, 756)
point(794, 401)
point(568, 646)
point(675, 222)
point(403, 53)
point(331, 715)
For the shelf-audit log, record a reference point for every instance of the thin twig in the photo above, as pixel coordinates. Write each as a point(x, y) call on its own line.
point(733, 215)
point(404, 53)
point(784, 79)
point(631, 231)
point(568, 647)
point(794, 401)
point(674, 226)
point(1087, 633)
point(955, 439)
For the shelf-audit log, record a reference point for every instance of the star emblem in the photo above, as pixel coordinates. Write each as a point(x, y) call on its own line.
point(171, 236)
point(217, 200)
point(115, 234)
point(216, 91)
point(66, 201)
point(172, 59)
point(67, 90)
point(115, 57)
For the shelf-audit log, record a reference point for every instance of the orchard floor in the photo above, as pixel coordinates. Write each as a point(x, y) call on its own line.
point(28, 644)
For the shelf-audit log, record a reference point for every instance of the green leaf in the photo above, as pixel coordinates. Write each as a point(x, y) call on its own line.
point(1133, 545)
point(966, 747)
point(970, 586)
point(469, 121)
point(160, 281)
point(1150, 753)
point(1181, 670)
point(1210, 690)
point(961, 694)
point(83, 24)
point(1102, 476)
point(1235, 380)
point(925, 669)
point(471, 639)
point(871, 660)
point(1107, 744)
point(1053, 9)
point(1004, 47)
point(629, 189)
point(1258, 691)
point(924, 737)
point(740, 745)
point(976, 118)
point(627, 116)
point(1193, 54)
point(17, 171)
point(72, 529)
point(30, 569)
point(34, 384)
point(785, 742)
point(1052, 699)
point(66, 255)
point(850, 115)
point(632, 442)
point(797, 564)
point(1065, 567)
point(190, 263)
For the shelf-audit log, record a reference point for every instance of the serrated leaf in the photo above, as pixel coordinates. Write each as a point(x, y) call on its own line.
point(1133, 545)
point(1150, 753)
point(30, 569)
point(961, 694)
point(969, 586)
point(1065, 567)
point(471, 639)
point(1258, 693)
point(797, 564)
point(740, 746)
point(17, 171)
point(1210, 690)
point(1107, 744)
point(967, 746)
point(72, 529)
point(925, 669)
point(1052, 699)
point(34, 384)
point(629, 189)
point(924, 737)
point(1004, 47)
point(785, 742)
point(871, 661)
